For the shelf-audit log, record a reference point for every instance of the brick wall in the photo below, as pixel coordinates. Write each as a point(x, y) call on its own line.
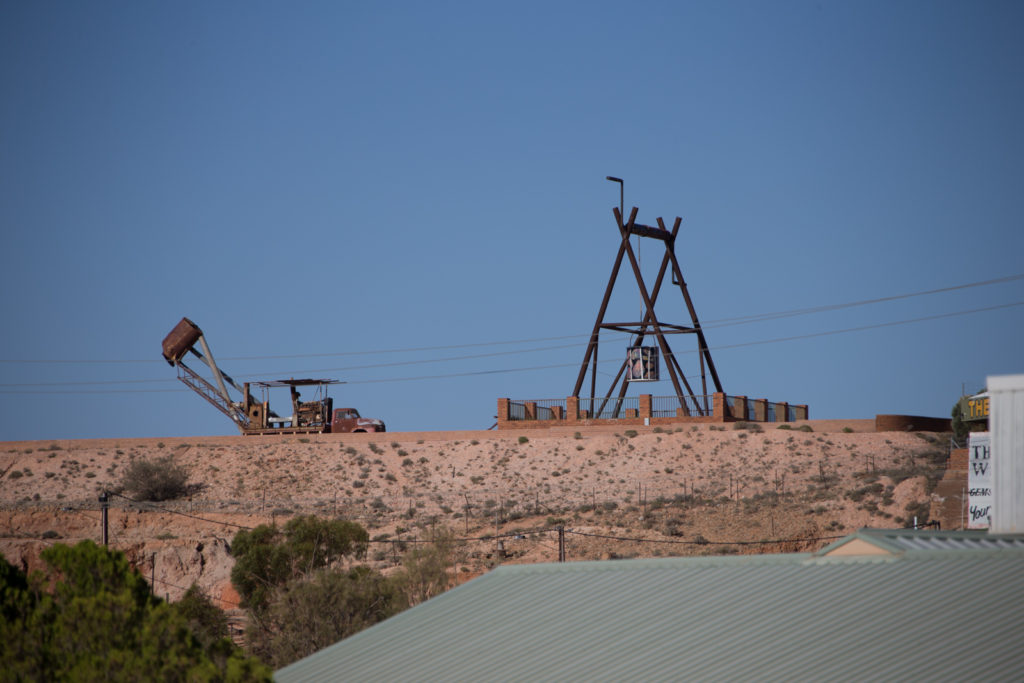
point(911, 423)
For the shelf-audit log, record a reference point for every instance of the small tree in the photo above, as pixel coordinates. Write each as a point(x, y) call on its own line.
point(100, 622)
point(267, 557)
point(207, 621)
point(959, 425)
point(156, 480)
point(424, 571)
point(300, 600)
point(308, 614)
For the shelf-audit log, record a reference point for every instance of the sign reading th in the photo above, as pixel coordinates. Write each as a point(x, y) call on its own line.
point(974, 408)
point(979, 481)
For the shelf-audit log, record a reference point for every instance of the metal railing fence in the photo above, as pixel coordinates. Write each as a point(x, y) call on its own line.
point(609, 409)
point(691, 406)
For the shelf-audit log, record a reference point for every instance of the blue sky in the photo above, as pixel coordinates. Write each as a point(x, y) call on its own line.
point(330, 186)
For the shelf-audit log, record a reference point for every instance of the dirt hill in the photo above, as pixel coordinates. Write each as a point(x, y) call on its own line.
point(693, 489)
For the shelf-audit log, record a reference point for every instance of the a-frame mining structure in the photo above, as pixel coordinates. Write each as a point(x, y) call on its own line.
point(650, 324)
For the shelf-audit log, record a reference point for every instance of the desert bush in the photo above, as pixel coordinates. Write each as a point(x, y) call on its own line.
point(523, 439)
point(856, 495)
point(673, 526)
point(309, 614)
point(156, 480)
point(424, 571)
point(207, 621)
point(268, 557)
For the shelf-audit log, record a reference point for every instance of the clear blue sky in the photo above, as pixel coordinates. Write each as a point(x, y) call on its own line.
point(358, 178)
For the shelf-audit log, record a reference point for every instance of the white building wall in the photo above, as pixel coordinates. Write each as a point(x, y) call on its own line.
point(1006, 424)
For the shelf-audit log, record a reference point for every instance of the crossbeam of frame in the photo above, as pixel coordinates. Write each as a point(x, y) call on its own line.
point(649, 321)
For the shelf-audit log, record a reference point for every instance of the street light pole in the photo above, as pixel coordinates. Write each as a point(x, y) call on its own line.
point(621, 192)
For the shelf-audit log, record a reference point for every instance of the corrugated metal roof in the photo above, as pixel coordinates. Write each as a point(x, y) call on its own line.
point(933, 616)
point(908, 540)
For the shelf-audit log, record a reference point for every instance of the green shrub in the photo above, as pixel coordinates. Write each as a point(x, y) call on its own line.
point(101, 622)
point(523, 439)
point(156, 480)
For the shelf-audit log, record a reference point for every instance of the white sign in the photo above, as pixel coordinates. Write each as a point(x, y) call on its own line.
point(979, 481)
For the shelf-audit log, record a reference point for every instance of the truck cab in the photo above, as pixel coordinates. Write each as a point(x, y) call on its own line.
point(349, 420)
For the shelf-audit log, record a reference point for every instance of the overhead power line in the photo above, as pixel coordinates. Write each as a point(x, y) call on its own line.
point(497, 371)
point(710, 324)
point(759, 317)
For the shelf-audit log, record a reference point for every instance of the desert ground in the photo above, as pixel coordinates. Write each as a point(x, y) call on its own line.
point(617, 492)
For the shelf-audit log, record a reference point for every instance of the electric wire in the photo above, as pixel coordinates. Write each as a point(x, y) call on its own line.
point(178, 512)
point(758, 317)
point(509, 534)
point(721, 322)
point(379, 380)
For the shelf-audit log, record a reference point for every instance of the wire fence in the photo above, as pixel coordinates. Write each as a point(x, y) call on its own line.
point(555, 525)
point(508, 504)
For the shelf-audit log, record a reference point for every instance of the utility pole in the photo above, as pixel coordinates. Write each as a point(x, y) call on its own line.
point(561, 543)
point(104, 499)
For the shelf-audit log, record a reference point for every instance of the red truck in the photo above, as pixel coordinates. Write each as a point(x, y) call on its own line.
point(348, 420)
point(253, 416)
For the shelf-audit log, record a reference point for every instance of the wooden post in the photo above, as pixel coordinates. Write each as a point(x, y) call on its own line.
point(103, 516)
